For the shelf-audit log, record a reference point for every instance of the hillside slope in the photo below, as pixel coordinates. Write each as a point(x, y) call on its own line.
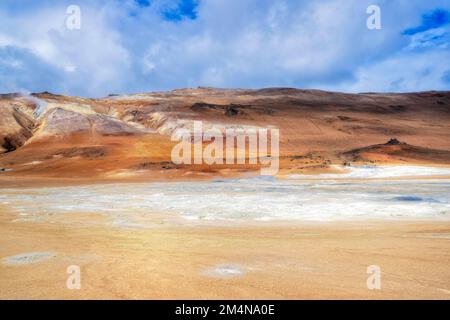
point(128, 136)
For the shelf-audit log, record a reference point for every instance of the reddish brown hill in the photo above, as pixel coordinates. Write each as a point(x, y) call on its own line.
point(128, 136)
point(395, 151)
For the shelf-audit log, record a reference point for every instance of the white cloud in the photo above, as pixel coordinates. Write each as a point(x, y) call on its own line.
point(122, 47)
point(405, 72)
point(91, 60)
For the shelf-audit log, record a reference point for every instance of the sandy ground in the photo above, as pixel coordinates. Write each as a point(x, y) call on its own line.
point(281, 261)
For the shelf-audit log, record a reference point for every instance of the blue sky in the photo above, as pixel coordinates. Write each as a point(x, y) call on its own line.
point(128, 46)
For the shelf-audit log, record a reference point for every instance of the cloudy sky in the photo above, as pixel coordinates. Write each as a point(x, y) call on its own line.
point(128, 46)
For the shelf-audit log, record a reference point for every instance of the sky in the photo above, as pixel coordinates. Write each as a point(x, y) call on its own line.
point(131, 46)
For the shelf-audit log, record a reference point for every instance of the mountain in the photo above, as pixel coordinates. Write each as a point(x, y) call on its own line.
point(129, 136)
